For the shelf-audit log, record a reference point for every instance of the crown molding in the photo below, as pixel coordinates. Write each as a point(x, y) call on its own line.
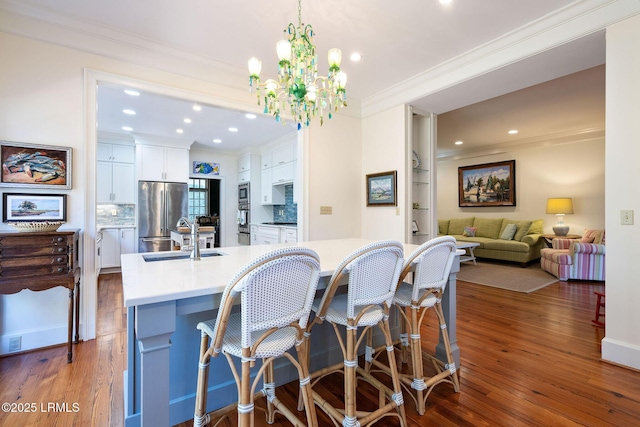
point(570, 23)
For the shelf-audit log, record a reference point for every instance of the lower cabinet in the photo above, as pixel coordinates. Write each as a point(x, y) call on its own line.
point(115, 242)
point(269, 235)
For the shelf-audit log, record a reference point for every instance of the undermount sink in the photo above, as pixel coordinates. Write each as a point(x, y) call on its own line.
point(177, 255)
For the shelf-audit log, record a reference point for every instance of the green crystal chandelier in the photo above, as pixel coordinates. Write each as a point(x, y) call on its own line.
point(298, 86)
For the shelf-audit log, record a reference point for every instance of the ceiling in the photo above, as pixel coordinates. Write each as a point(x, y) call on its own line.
point(396, 44)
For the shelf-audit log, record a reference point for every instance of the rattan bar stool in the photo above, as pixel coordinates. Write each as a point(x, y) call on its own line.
point(431, 264)
point(373, 273)
point(276, 292)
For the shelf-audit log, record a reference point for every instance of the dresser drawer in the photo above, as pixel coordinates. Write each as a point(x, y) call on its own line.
point(33, 261)
point(20, 240)
point(32, 250)
point(32, 271)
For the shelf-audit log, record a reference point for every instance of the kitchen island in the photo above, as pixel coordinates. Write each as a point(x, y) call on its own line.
point(165, 299)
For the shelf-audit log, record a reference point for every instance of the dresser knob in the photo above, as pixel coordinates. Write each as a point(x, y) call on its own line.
point(60, 269)
point(60, 249)
point(59, 259)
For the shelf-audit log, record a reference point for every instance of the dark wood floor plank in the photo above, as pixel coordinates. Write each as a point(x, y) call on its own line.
point(527, 360)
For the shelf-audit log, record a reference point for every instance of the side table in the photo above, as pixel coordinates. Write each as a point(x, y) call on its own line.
point(549, 237)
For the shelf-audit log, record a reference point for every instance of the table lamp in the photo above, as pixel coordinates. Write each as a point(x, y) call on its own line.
point(560, 207)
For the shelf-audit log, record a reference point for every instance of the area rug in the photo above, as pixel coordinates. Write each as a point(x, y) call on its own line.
point(506, 276)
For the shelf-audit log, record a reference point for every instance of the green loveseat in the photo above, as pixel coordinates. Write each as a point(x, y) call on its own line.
point(520, 243)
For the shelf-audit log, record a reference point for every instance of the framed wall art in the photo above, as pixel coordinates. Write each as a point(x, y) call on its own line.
point(34, 207)
point(31, 165)
point(205, 168)
point(488, 184)
point(381, 189)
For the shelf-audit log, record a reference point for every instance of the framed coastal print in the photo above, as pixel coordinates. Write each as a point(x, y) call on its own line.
point(37, 166)
point(34, 207)
point(488, 184)
point(381, 189)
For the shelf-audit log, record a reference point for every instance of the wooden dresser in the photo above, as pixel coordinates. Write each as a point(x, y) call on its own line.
point(39, 261)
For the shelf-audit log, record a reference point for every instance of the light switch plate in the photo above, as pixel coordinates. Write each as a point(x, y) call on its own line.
point(626, 217)
point(326, 210)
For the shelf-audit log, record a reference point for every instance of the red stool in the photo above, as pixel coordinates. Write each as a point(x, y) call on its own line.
point(599, 305)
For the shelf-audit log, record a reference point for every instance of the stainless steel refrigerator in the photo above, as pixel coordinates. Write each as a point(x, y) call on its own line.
point(160, 206)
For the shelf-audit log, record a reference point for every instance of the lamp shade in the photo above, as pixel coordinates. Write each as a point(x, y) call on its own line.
point(560, 206)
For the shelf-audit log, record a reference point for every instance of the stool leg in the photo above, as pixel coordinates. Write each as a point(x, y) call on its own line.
point(599, 305)
point(393, 369)
point(200, 418)
point(416, 360)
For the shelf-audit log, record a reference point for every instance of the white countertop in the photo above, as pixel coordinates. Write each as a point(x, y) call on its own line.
point(158, 281)
point(104, 227)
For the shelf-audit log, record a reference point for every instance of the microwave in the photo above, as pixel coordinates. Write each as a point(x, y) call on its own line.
point(243, 193)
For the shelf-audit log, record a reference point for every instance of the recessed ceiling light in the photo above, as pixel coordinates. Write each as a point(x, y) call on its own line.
point(132, 92)
point(233, 129)
point(250, 116)
point(355, 57)
point(513, 131)
point(196, 107)
point(217, 140)
point(458, 142)
point(127, 128)
point(179, 131)
point(129, 112)
point(445, 1)
point(187, 120)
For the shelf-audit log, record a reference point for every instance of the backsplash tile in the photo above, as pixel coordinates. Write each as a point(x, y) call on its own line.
point(108, 214)
point(290, 209)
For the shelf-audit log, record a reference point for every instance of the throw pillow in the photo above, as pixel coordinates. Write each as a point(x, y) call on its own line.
point(509, 232)
point(536, 227)
point(469, 232)
point(587, 239)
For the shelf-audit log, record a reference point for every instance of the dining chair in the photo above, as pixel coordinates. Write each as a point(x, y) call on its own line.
point(275, 291)
point(372, 274)
point(431, 265)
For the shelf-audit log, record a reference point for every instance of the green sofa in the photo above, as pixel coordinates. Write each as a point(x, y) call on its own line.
point(521, 243)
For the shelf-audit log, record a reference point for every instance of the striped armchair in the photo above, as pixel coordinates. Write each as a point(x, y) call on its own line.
point(580, 259)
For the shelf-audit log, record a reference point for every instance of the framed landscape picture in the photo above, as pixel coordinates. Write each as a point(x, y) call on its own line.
point(381, 189)
point(34, 207)
point(31, 165)
point(488, 184)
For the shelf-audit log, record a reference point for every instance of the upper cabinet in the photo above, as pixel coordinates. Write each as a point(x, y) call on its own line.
point(247, 166)
point(278, 169)
point(115, 153)
point(162, 159)
point(116, 174)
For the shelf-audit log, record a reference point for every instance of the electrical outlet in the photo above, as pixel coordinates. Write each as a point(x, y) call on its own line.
point(326, 210)
point(15, 343)
point(626, 217)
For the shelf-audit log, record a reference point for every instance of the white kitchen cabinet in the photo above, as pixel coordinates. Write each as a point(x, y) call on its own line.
point(244, 163)
point(283, 174)
point(115, 153)
point(156, 163)
point(115, 242)
point(115, 183)
point(284, 153)
point(244, 176)
point(270, 194)
point(288, 235)
point(267, 235)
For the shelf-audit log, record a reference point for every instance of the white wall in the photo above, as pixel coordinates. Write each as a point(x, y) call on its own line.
point(383, 149)
point(622, 339)
point(573, 170)
point(334, 175)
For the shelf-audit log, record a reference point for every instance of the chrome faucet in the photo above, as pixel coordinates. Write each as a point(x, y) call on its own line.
point(194, 247)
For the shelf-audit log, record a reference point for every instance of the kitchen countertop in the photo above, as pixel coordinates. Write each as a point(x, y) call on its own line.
point(152, 282)
point(103, 227)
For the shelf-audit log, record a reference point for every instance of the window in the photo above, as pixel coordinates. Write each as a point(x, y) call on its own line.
point(198, 198)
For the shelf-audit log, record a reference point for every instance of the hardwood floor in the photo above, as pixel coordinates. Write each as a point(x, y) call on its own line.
point(527, 360)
